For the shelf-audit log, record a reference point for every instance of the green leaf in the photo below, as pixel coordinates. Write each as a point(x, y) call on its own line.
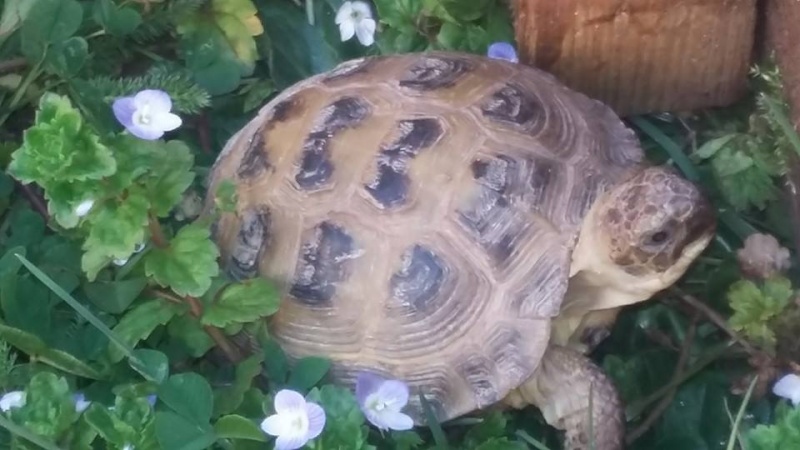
point(177, 433)
point(308, 371)
point(188, 264)
point(783, 434)
point(151, 364)
point(66, 58)
point(139, 322)
point(48, 410)
point(237, 427)
point(114, 296)
point(466, 11)
point(307, 53)
point(275, 361)
point(33, 346)
point(189, 395)
point(51, 21)
point(13, 16)
point(755, 306)
point(228, 399)
point(169, 176)
point(344, 419)
point(192, 334)
point(242, 302)
point(116, 229)
point(64, 156)
point(104, 424)
point(117, 21)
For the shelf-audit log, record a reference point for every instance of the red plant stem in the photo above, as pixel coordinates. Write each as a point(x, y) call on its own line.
point(195, 306)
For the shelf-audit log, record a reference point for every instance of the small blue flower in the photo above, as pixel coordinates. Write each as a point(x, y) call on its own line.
point(503, 50)
point(381, 401)
point(146, 115)
point(80, 402)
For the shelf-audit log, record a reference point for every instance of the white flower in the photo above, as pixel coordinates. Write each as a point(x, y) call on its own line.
point(295, 421)
point(788, 387)
point(13, 399)
point(128, 447)
point(80, 402)
point(355, 18)
point(147, 114)
point(84, 207)
point(382, 400)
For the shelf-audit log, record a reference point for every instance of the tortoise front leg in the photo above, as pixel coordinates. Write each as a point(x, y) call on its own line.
point(560, 388)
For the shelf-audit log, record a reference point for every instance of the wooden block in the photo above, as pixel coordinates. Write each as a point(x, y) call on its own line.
point(642, 56)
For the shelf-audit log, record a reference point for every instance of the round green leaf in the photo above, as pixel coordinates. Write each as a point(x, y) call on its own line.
point(151, 364)
point(189, 395)
point(52, 21)
point(238, 427)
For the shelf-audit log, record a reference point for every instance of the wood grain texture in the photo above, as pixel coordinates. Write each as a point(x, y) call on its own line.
point(781, 39)
point(642, 56)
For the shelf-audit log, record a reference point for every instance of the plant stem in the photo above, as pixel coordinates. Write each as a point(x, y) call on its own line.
point(156, 232)
point(21, 90)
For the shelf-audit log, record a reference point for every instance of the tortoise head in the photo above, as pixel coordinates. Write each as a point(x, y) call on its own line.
point(654, 224)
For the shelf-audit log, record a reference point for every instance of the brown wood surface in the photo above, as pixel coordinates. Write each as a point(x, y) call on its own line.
point(782, 38)
point(642, 55)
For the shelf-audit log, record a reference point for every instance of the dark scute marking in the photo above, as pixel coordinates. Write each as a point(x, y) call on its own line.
point(390, 187)
point(490, 217)
point(415, 135)
point(512, 105)
point(419, 279)
point(283, 111)
point(583, 196)
point(479, 373)
point(435, 73)
point(251, 240)
point(315, 165)
point(322, 264)
point(255, 160)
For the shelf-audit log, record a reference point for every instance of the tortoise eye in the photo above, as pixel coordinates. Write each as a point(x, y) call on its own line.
point(659, 237)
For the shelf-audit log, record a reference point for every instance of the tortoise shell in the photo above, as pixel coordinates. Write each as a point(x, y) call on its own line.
point(418, 213)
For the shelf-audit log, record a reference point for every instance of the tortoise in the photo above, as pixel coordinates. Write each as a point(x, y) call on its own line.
point(464, 224)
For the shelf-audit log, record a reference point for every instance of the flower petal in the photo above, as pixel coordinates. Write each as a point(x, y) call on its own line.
point(124, 108)
point(345, 13)
point(149, 133)
point(167, 121)
point(347, 30)
point(13, 399)
point(394, 392)
point(788, 387)
point(274, 425)
point(362, 9)
point(367, 383)
point(397, 421)
point(316, 420)
point(502, 50)
point(365, 31)
point(287, 401)
point(157, 99)
point(290, 442)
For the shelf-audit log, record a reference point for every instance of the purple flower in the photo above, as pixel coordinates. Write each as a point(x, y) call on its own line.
point(146, 115)
point(381, 401)
point(502, 50)
point(295, 422)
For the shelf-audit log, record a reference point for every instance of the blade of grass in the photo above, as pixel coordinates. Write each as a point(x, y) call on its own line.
point(27, 435)
point(64, 295)
point(522, 434)
point(671, 147)
point(740, 414)
point(436, 428)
